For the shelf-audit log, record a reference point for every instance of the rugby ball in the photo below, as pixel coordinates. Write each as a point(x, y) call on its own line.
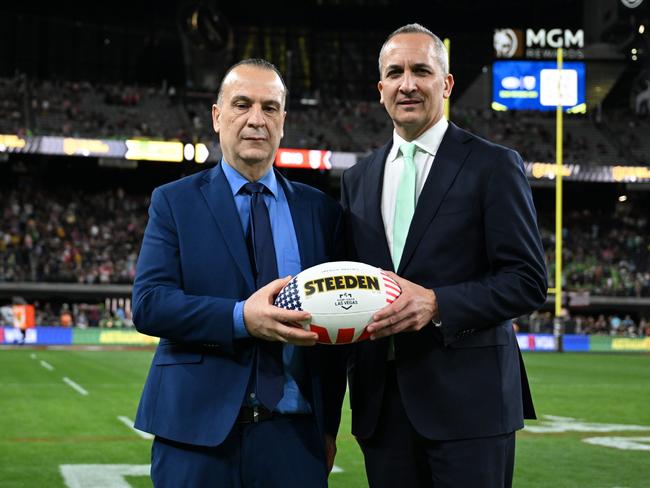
point(341, 297)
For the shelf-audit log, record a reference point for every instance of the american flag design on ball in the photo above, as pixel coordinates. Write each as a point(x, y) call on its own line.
point(341, 296)
point(289, 298)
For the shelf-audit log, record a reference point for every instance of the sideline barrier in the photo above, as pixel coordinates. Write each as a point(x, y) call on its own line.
point(95, 336)
point(66, 336)
point(583, 343)
point(536, 342)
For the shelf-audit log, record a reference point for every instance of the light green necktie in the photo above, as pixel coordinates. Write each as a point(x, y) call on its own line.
point(405, 202)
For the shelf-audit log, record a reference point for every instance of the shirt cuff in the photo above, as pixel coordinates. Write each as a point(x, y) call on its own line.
point(239, 329)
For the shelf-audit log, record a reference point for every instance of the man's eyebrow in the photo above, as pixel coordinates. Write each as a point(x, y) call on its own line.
point(271, 102)
point(244, 98)
point(241, 98)
point(391, 67)
point(400, 67)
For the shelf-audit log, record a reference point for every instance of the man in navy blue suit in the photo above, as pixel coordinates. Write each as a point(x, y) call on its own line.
point(440, 390)
point(232, 396)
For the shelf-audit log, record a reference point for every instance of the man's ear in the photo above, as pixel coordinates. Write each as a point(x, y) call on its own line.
point(216, 112)
point(380, 87)
point(448, 85)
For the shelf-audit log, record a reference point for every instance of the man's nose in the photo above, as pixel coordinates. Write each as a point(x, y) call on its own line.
point(256, 117)
point(408, 84)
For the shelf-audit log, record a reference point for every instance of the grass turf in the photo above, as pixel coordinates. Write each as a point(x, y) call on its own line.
point(45, 423)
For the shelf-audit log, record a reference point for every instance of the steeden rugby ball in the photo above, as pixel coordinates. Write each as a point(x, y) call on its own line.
point(341, 296)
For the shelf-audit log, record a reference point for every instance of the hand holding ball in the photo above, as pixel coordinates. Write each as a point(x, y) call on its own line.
point(341, 296)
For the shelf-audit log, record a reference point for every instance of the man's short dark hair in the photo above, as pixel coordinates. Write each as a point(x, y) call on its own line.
point(258, 63)
point(438, 45)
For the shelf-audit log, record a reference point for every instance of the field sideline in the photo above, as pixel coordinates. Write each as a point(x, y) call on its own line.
point(73, 408)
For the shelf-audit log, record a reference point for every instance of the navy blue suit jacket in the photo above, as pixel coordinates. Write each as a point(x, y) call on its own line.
point(192, 269)
point(474, 241)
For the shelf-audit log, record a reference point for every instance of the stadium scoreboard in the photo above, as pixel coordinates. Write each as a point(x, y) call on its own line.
point(538, 85)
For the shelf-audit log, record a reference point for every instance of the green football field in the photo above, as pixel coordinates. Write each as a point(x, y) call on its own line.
point(66, 417)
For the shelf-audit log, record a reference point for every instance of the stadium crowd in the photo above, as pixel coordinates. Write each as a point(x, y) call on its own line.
point(94, 238)
point(85, 237)
point(603, 253)
point(109, 111)
point(58, 236)
point(612, 324)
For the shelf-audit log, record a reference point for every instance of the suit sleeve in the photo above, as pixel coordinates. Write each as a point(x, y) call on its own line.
point(516, 283)
point(161, 308)
point(346, 246)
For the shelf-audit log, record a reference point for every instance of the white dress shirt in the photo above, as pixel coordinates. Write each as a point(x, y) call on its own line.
point(427, 147)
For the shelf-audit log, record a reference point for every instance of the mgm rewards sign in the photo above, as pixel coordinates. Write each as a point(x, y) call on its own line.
point(538, 43)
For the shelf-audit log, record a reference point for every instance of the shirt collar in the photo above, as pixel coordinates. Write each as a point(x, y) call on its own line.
point(428, 142)
point(237, 181)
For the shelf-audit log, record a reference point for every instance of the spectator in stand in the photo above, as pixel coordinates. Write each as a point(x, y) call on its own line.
point(65, 317)
point(644, 327)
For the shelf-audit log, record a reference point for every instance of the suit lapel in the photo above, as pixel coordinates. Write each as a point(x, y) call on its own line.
point(379, 253)
point(303, 221)
point(448, 161)
point(218, 196)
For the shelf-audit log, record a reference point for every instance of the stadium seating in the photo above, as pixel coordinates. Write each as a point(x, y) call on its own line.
point(56, 236)
point(76, 237)
point(81, 109)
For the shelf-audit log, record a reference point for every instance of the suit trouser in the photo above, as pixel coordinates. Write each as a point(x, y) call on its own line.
point(282, 452)
point(397, 456)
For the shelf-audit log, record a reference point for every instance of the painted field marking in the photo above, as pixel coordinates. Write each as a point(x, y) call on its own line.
point(47, 365)
point(101, 475)
point(623, 443)
point(108, 475)
point(32, 355)
point(336, 469)
point(552, 424)
point(129, 423)
point(78, 388)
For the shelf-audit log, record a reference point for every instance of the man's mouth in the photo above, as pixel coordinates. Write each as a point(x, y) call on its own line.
point(409, 101)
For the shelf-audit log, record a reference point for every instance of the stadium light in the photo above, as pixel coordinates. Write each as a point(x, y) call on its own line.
point(188, 152)
point(622, 198)
point(201, 153)
point(633, 51)
point(641, 29)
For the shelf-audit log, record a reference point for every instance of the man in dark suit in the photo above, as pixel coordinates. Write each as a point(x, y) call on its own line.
point(230, 397)
point(439, 391)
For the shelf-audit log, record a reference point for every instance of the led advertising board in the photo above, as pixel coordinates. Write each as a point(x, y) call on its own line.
point(533, 85)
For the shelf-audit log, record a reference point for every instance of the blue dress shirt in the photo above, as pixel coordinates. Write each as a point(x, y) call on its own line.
point(288, 258)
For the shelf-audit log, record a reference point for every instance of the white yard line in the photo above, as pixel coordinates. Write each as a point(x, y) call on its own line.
point(101, 475)
point(32, 355)
point(78, 388)
point(336, 469)
point(47, 365)
point(129, 423)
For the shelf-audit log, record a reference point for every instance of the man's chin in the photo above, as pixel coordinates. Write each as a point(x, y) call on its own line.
point(254, 156)
point(409, 122)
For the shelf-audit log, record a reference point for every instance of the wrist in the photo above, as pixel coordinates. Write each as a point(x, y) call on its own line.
point(435, 319)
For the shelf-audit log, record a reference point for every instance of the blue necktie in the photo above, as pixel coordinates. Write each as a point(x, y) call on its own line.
point(269, 379)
